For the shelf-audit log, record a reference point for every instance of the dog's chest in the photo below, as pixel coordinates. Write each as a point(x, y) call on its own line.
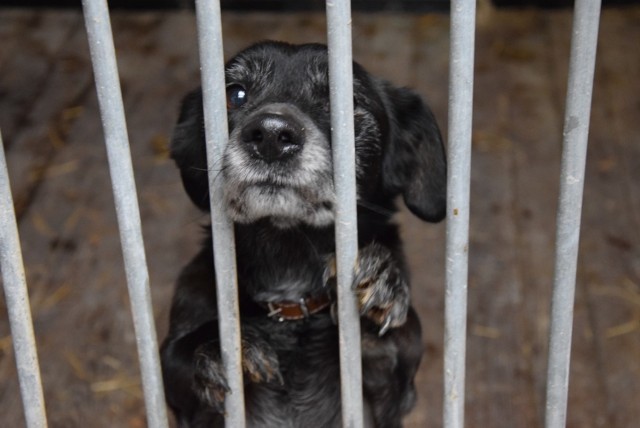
point(282, 265)
point(309, 363)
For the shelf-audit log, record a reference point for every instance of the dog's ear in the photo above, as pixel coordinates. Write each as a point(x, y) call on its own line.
point(188, 149)
point(414, 162)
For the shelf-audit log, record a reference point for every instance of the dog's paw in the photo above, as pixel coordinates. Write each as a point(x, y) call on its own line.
point(259, 360)
point(209, 380)
point(381, 287)
point(259, 363)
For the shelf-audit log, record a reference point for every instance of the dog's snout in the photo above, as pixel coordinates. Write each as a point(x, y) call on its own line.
point(272, 137)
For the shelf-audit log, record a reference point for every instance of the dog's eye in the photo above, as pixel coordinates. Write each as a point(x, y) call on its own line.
point(236, 96)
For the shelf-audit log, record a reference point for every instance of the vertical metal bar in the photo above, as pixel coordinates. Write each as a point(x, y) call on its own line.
point(103, 58)
point(217, 134)
point(458, 185)
point(17, 300)
point(575, 135)
point(346, 226)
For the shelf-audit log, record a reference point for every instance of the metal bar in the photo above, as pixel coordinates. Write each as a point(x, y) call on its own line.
point(17, 301)
point(217, 133)
point(346, 226)
point(575, 135)
point(103, 58)
point(458, 185)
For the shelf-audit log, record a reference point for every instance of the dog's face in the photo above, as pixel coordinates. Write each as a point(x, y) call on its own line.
point(277, 163)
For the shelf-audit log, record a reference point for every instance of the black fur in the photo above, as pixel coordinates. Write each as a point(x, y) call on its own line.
point(279, 192)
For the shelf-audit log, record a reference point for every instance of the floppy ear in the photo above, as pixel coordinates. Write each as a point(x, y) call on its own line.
point(414, 162)
point(188, 149)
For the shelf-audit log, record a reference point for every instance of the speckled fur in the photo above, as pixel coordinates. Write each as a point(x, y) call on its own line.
point(283, 214)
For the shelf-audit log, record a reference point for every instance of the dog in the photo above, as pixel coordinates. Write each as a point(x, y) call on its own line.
point(279, 192)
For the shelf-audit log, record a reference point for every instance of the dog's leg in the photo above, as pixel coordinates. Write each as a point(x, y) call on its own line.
point(259, 359)
point(191, 361)
point(208, 381)
point(389, 366)
point(381, 286)
point(259, 363)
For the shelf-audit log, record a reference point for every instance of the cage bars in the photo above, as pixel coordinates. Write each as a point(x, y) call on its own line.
point(580, 83)
point(103, 59)
point(346, 223)
point(216, 134)
point(17, 301)
point(575, 134)
point(458, 188)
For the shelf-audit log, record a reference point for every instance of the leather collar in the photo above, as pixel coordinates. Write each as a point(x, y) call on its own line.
point(302, 309)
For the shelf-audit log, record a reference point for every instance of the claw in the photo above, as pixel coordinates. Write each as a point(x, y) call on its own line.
point(259, 361)
point(385, 326)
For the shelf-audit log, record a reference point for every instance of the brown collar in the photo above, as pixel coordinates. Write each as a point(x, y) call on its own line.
point(292, 311)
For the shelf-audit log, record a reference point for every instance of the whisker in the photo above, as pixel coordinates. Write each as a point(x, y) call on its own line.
point(376, 208)
point(220, 171)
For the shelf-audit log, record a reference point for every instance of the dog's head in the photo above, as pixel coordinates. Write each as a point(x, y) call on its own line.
point(277, 163)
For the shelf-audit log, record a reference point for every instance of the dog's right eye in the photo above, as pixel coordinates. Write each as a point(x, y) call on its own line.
point(236, 96)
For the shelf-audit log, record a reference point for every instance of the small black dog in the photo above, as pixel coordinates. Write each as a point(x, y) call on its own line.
point(279, 192)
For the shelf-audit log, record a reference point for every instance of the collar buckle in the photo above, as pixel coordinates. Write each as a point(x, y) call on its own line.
point(303, 307)
point(274, 311)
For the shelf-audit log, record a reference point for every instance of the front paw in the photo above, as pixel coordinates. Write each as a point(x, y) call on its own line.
point(259, 363)
point(209, 380)
point(259, 360)
point(381, 287)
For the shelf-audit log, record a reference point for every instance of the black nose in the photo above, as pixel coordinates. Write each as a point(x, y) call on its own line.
point(272, 137)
